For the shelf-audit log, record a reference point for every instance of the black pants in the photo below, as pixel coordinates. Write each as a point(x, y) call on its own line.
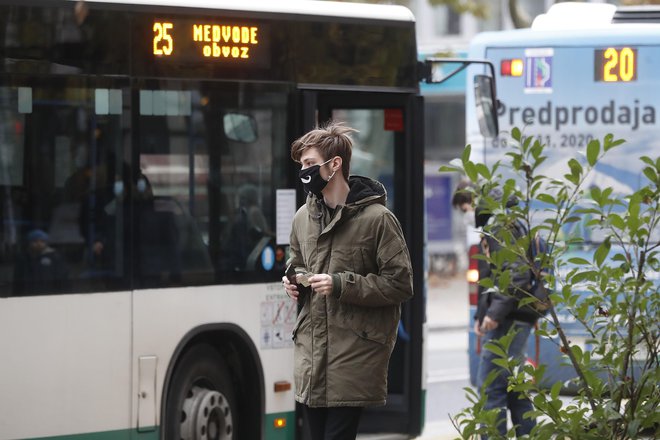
point(337, 423)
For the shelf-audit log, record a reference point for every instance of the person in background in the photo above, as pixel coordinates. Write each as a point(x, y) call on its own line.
point(41, 270)
point(498, 313)
point(349, 248)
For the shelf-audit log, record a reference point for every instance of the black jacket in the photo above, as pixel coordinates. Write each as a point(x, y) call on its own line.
point(500, 306)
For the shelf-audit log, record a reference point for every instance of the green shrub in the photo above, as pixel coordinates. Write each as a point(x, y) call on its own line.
point(614, 295)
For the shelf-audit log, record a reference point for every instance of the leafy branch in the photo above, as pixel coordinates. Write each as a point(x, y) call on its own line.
point(613, 295)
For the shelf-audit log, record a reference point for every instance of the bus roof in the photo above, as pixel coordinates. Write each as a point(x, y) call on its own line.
point(291, 7)
point(611, 35)
point(571, 15)
point(571, 24)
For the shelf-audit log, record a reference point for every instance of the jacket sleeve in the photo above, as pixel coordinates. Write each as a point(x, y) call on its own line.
point(392, 284)
point(295, 256)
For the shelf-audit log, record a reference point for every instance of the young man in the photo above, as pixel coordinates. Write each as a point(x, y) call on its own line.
point(497, 313)
point(349, 248)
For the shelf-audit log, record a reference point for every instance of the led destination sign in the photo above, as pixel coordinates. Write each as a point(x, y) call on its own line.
point(203, 41)
point(615, 64)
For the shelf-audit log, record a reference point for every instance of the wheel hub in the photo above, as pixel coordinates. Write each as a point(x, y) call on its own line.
point(206, 416)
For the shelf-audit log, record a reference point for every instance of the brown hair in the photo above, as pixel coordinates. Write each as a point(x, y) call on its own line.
point(332, 139)
point(464, 193)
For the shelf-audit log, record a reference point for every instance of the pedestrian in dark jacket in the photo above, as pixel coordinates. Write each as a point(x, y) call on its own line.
point(349, 249)
point(497, 313)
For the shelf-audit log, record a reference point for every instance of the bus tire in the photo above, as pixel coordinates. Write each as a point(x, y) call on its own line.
point(201, 402)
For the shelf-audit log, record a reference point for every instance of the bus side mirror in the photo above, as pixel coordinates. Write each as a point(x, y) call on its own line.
point(486, 103)
point(240, 127)
point(437, 71)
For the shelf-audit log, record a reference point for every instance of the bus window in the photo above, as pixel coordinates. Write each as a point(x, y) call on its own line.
point(213, 157)
point(64, 183)
point(373, 152)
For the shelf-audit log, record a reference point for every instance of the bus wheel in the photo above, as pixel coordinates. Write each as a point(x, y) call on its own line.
point(201, 403)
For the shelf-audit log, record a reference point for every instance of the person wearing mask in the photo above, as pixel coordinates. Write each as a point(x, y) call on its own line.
point(498, 313)
point(349, 249)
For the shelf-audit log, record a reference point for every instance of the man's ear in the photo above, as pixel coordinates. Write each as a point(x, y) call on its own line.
point(337, 162)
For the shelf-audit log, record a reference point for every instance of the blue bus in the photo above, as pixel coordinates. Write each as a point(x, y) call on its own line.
point(580, 72)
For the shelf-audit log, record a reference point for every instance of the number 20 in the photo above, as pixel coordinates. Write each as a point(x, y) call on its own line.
point(624, 59)
point(161, 31)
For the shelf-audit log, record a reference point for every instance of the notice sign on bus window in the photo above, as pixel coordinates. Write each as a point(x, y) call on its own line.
point(224, 41)
point(615, 64)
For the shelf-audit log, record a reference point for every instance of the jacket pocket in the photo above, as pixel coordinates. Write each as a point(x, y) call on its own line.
point(377, 324)
point(371, 335)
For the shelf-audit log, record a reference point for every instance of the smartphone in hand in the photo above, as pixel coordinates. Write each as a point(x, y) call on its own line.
point(291, 274)
point(303, 289)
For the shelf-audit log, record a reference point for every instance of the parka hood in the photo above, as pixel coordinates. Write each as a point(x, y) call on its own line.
point(365, 190)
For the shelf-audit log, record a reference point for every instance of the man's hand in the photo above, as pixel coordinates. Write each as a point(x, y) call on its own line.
point(488, 324)
point(484, 327)
point(321, 283)
point(290, 288)
point(477, 328)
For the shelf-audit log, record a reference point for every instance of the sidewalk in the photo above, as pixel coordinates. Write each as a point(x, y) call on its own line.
point(447, 308)
point(447, 305)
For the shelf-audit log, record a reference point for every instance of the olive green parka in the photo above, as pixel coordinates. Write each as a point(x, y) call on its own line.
point(343, 341)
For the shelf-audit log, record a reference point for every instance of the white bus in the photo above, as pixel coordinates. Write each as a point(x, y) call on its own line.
point(580, 72)
point(146, 194)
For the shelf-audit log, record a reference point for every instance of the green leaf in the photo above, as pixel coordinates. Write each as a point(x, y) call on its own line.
point(602, 252)
point(554, 391)
point(576, 168)
point(651, 174)
point(495, 349)
point(579, 261)
point(616, 221)
point(577, 352)
point(484, 171)
point(529, 300)
point(589, 275)
point(647, 160)
point(593, 148)
point(449, 168)
point(501, 363)
point(471, 171)
point(546, 198)
point(609, 144)
point(466, 154)
point(619, 257)
point(515, 133)
point(588, 211)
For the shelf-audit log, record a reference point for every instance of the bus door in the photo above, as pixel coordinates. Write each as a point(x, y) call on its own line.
point(388, 148)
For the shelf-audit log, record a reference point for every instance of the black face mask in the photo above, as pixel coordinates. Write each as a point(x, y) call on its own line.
point(312, 180)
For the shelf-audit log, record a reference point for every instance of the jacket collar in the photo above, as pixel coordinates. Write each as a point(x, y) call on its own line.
point(363, 191)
